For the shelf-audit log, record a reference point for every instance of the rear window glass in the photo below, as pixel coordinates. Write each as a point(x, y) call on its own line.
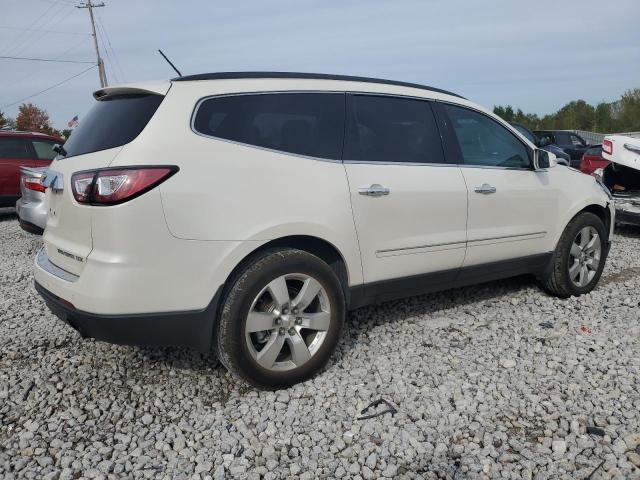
point(112, 122)
point(595, 151)
point(390, 129)
point(44, 149)
point(310, 124)
point(14, 148)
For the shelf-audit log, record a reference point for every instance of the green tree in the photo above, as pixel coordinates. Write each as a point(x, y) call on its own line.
point(6, 122)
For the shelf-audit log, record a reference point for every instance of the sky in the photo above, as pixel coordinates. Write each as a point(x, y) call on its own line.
point(536, 56)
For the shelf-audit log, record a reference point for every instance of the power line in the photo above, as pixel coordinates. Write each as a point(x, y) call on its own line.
point(30, 27)
point(59, 32)
point(52, 19)
point(113, 52)
point(33, 59)
point(49, 88)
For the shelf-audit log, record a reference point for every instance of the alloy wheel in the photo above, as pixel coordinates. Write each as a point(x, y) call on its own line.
point(288, 322)
point(584, 256)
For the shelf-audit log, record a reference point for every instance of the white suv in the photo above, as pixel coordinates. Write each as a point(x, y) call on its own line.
point(249, 212)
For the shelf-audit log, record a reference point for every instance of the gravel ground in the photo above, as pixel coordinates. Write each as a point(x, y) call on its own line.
point(493, 381)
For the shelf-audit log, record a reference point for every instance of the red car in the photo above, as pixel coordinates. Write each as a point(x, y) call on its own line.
point(22, 149)
point(592, 160)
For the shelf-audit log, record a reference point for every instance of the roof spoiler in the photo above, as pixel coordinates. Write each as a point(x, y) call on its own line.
point(155, 88)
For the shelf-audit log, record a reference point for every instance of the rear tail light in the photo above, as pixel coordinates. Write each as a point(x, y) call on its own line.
point(33, 183)
point(110, 186)
point(607, 147)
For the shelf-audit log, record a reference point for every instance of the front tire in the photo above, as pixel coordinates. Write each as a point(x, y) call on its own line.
point(579, 257)
point(281, 318)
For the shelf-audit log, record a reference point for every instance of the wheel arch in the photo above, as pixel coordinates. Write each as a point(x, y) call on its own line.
point(601, 212)
point(317, 246)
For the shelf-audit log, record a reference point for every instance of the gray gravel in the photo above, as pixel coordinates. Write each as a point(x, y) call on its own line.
point(481, 388)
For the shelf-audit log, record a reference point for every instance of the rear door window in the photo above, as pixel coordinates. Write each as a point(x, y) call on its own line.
point(112, 122)
point(310, 124)
point(44, 149)
point(391, 129)
point(13, 147)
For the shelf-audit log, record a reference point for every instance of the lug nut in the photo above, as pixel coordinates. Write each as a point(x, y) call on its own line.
point(298, 320)
point(285, 310)
point(281, 331)
point(278, 321)
point(295, 311)
point(292, 331)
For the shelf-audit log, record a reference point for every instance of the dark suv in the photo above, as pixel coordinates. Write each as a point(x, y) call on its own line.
point(21, 149)
point(570, 142)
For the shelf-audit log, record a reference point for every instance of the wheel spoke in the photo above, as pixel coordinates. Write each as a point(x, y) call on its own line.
point(279, 291)
point(308, 292)
point(583, 276)
point(585, 236)
point(316, 321)
point(594, 243)
point(574, 270)
point(576, 250)
point(299, 350)
point(259, 321)
point(269, 353)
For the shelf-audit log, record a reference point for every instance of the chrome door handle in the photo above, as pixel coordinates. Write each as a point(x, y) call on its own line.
point(374, 190)
point(485, 189)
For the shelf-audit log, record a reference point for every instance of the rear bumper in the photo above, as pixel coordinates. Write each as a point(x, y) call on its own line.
point(192, 329)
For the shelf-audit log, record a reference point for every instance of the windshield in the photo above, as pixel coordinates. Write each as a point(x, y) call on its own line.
point(112, 122)
point(530, 136)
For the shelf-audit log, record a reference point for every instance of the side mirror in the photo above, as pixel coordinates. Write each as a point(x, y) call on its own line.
point(543, 159)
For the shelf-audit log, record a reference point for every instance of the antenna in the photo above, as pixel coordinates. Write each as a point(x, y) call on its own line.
point(169, 62)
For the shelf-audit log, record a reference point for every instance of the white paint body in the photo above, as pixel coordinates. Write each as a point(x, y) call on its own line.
point(173, 247)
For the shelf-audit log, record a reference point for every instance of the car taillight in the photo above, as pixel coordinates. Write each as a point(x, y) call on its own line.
point(110, 186)
point(33, 183)
point(607, 147)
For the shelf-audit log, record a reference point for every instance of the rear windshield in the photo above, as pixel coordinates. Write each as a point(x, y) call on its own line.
point(112, 122)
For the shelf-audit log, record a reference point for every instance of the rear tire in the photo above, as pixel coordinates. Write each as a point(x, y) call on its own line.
point(281, 318)
point(579, 257)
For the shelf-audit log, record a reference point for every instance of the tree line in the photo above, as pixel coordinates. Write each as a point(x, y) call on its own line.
point(623, 115)
point(31, 119)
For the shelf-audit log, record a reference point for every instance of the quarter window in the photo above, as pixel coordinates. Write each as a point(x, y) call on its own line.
point(577, 141)
point(44, 150)
point(14, 148)
point(484, 141)
point(392, 129)
point(310, 124)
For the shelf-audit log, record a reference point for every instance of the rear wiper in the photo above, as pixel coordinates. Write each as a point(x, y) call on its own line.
point(59, 149)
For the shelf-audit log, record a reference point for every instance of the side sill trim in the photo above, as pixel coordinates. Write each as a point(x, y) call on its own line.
point(377, 292)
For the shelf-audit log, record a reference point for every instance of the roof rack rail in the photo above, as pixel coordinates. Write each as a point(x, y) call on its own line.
point(312, 76)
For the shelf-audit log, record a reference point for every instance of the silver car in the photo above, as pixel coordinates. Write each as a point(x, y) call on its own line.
point(31, 207)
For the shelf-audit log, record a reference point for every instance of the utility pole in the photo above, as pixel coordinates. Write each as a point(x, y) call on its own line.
point(90, 6)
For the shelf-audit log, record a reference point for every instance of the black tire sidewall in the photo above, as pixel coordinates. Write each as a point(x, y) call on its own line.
point(584, 220)
point(231, 336)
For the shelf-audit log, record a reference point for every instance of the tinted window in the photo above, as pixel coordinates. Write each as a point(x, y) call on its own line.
point(595, 151)
point(391, 129)
point(112, 122)
point(11, 147)
point(546, 138)
point(529, 136)
point(563, 138)
point(577, 141)
point(309, 124)
point(484, 141)
point(44, 149)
